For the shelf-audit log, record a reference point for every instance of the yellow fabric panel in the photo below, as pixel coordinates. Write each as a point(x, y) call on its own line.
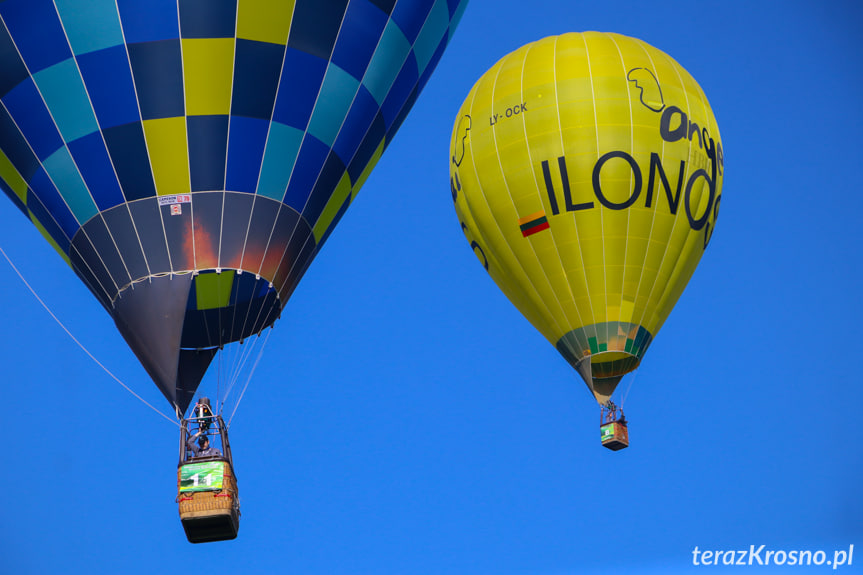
point(265, 20)
point(481, 237)
point(336, 201)
point(49, 239)
point(208, 73)
point(213, 291)
point(12, 178)
point(511, 257)
point(367, 170)
point(602, 136)
point(167, 146)
point(529, 77)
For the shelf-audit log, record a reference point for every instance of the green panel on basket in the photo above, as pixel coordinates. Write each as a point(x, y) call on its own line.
point(203, 476)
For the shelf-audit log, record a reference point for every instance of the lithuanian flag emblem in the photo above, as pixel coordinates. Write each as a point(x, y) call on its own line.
point(533, 223)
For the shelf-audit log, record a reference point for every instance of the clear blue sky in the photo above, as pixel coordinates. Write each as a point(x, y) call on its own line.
point(405, 418)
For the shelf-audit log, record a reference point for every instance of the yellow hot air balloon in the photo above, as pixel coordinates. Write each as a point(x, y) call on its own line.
point(586, 171)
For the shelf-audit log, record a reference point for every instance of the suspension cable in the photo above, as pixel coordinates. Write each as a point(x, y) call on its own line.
point(245, 351)
point(251, 373)
point(69, 333)
point(628, 387)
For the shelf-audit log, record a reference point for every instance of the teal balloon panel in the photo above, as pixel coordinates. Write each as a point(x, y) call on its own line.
point(189, 158)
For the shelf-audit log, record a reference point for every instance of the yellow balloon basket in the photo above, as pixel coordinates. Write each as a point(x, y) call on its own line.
point(614, 435)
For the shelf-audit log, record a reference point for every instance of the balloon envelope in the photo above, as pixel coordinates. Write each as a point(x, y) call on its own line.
point(189, 158)
point(586, 171)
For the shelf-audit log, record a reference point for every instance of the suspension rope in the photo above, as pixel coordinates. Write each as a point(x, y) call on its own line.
point(628, 387)
point(234, 367)
point(219, 402)
point(69, 333)
point(246, 349)
point(249, 378)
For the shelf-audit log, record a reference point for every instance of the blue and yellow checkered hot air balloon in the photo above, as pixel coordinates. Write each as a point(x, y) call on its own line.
point(189, 158)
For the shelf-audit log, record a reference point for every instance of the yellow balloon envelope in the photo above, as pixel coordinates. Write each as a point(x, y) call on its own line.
point(586, 171)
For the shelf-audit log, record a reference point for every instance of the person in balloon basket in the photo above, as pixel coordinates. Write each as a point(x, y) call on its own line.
point(202, 449)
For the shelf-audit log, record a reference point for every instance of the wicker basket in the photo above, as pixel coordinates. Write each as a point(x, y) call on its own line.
point(211, 515)
point(615, 435)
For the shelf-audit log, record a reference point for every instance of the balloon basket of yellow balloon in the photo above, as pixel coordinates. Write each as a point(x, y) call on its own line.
point(613, 430)
point(615, 435)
